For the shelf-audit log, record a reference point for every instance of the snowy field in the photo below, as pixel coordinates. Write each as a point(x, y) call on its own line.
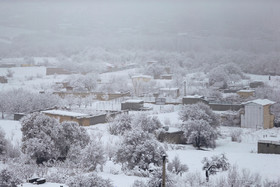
point(243, 154)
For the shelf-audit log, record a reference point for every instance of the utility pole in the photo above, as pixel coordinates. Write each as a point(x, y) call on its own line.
point(185, 89)
point(163, 170)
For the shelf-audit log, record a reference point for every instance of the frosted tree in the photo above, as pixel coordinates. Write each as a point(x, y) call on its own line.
point(93, 155)
point(72, 134)
point(215, 164)
point(89, 180)
point(199, 111)
point(39, 134)
point(121, 124)
point(8, 178)
point(176, 166)
point(139, 149)
point(44, 138)
point(146, 123)
point(200, 133)
point(3, 143)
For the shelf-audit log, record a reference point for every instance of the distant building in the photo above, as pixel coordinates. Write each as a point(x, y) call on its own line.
point(269, 146)
point(166, 76)
point(169, 92)
point(193, 99)
point(256, 84)
point(57, 71)
point(257, 114)
point(132, 105)
point(3, 79)
point(81, 119)
point(246, 93)
point(142, 78)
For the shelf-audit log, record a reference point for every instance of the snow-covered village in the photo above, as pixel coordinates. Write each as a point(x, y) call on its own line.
point(134, 93)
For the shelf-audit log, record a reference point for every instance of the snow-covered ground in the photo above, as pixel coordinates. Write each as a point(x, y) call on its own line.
point(243, 154)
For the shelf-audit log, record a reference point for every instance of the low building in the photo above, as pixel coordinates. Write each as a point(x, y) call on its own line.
point(169, 92)
point(246, 93)
point(269, 146)
point(193, 99)
point(3, 79)
point(256, 84)
point(224, 106)
point(57, 71)
point(166, 76)
point(132, 105)
point(81, 119)
point(257, 114)
point(173, 136)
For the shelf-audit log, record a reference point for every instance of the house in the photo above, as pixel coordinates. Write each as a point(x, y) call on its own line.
point(57, 71)
point(166, 76)
point(141, 78)
point(3, 79)
point(269, 146)
point(193, 99)
point(169, 92)
point(256, 84)
point(132, 105)
point(81, 119)
point(246, 93)
point(257, 114)
point(224, 106)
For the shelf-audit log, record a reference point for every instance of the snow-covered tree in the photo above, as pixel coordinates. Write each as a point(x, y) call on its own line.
point(146, 123)
point(215, 164)
point(80, 82)
point(200, 133)
point(225, 73)
point(139, 149)
point(199, 111)
point(8, 178)
point(3, 143)
point(72, 135)
point(175, 166)
point(93, 155)
point(121, 124)
point(44, 138)
point(156, 179)
point(89, 180)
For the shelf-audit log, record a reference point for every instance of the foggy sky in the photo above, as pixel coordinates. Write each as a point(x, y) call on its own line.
point(48, 26)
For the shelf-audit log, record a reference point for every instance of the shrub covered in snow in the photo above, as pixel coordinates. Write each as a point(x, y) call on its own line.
point(147, 123)
point(215, 164)
point(139, 148)
point(8, 178)
point(175, 166)
point(89, 180)
point(199, 125)
point(121, 124)
point(43, 138)
point(200, 133)
point(236, 135)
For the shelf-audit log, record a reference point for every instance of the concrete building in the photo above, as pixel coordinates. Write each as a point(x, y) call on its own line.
point(132, 105)
point(269, 146)
point(169, 92)
point(257, 114)
point(246, 93)
point(193, 99)
point(81, 119)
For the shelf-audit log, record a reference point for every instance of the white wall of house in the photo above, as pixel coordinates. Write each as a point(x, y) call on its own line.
point(253, 116)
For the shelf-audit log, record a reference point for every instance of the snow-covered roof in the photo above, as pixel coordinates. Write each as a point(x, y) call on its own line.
point(142, 76)
point(64, 113)
point(194, 96)
point(262, 102)
point(169, 89)
point(247, 91)
point(270, 140)
point(133, 101)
